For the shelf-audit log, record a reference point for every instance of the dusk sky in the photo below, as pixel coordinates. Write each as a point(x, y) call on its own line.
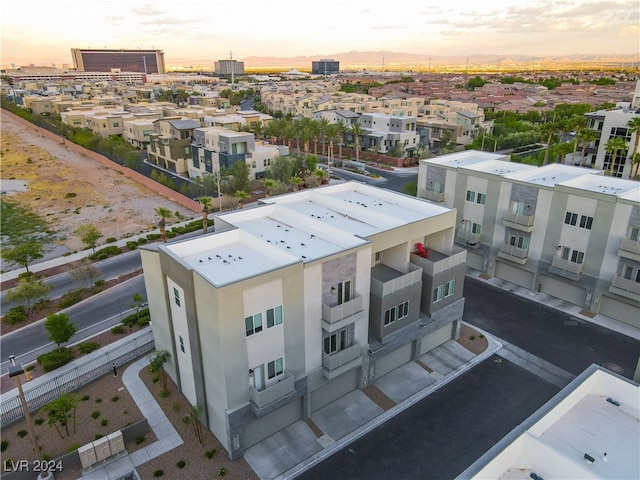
point(199, 32)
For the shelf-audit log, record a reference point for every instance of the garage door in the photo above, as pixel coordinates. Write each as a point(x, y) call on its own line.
point(335, 389)
point(393, 360)
point(564, 290)
point(514, 275)
point(475, 261)
point(621, 311)
point(434, 339)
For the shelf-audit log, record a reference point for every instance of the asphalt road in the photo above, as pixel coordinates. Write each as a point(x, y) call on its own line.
point(443, 434)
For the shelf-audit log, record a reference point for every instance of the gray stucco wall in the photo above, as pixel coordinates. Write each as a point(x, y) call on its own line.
point(379, 305)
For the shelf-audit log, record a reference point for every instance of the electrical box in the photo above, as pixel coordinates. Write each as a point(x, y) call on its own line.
point(116, 442)
point(87, 455)
point(102, 449)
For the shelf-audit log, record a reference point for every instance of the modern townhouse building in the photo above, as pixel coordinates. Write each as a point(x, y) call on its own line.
point(347, 117)
point(138, 132)
point(384, 132)
point(216, 147)
point(241, 120)
point(108, 124)
point(609, 124)
point(462, 120)
point(170, 143)
point(562, 230)
point(300, 300)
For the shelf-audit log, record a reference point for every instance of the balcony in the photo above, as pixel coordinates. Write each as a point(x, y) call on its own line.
point(566, 268)
point(519, 221)
point(386, 280)
point(261, 399)
point(625, 287)
point(335, 364)
point(630, 249)
point(338, 316)
point(469, 238)
point(434, 196)
point(440, 262)
point(513, 253)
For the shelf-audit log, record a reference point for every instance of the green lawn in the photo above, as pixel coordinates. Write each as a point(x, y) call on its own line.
point(18, 223)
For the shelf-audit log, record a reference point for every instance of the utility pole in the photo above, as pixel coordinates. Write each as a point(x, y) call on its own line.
point(15, 371)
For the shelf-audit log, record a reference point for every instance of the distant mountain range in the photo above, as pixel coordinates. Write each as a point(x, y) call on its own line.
point(397, 60)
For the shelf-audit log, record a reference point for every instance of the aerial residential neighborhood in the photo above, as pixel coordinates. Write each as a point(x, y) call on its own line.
point(255, 261)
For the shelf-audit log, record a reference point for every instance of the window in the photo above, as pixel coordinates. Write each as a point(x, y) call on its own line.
point(518, 241)
point(565, 253)
point(274, 316)
point(438, 187)
point(390, 316)
point(627, 272)
point(571, 218)
point(378, 258)
point(471, 227)
point(176, 296)
point(449, 288)
point(403, 310)
point(482, 198)
point(471, 196)
point(344, 292)
point(116, 125)
point(438, 293)
point(181, 343)
point(275, 368)
point(253, 324)
point(337, 341)
point(577, 257)
point(634, 233)
point(586, 222)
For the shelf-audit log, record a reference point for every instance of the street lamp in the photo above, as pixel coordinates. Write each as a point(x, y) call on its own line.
point(16, 371)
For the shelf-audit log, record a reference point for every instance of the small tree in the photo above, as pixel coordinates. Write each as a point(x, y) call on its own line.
point(59, 328)
point(60, 411)
point(85, 273)
point(242, 197)
point(28, 292)
point(163, 213)
point(138, 301)
point(193, 417)
point(206, 208)
point(156, 364)
point(89, 235)
point(24, 253)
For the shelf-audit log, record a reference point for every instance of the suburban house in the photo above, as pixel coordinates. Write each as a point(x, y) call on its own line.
point(294, 303)
point(558, 229)
point(384, 132)
point(170, 143)
point(216, 147)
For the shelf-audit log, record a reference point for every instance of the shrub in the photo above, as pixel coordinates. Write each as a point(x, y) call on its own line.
point(472, 337)
point(95, 414)
point(132, 245)
point(23, 433)
point(98, 436)
point(175, 406)
point(46, 457)
point(85, 398)
point(72, 447)
point(156, 379)
point(139, 439)
point(15, 315)
point(164, 393)
point(158, 473)
point(106, 252)
point(119, 330)
point(210, 453)
point(100, 283)
point(144, 321)
point(71, 298)
point(181, 464)
point(39, 421)
point(222, 471)
point(115, 398)
point(70, 195)
point(154, 236)
point(88, 347)
point(4, 444)
point(104, 422)
point(111, 240)
point(98, 400)
point(30, 368)
point(55, 359)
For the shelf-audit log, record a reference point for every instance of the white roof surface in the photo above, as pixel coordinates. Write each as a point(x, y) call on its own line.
point(596, 414)
point(603, 184)
point(298, 227)
point(499, 167)
point(550, 175)
point(465, 158)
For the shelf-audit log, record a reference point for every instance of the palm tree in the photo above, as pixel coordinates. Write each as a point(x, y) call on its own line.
point(296, 182)
point(635, 165)
point(586, 136)
point(550, 129)
point(356, 131)
point(321, 174)
point(206, 205)
point(634, 127)
point(613, 146)
point(242, 196)
point(163, 213)
point(268, 183)
point(323, 129)
point(298, 127)
point(314, 125)
point(341, 128)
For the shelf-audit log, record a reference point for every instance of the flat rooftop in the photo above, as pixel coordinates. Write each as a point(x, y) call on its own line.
point(300, 227)
point(597, 414)
point(603, 184)
point(465, 158)
point(498, 167)
point(550, 175)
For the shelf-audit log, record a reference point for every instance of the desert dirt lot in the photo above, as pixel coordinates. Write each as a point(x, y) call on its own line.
point(68, 189)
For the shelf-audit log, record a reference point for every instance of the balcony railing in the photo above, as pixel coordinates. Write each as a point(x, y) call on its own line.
point(349, 357)
point(384, 288)
point(513, 253)
point(273, 393)
point(344, 310)
point(434, 196)
point(630, 249)
point(439, 262)
point(626, 287)
point(566, 268)
point(469, 237)
point(519, 221)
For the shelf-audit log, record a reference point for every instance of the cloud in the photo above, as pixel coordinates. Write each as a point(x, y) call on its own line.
point(147, 11)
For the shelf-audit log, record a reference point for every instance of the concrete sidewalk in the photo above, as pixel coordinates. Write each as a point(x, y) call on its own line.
point(297, 448)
